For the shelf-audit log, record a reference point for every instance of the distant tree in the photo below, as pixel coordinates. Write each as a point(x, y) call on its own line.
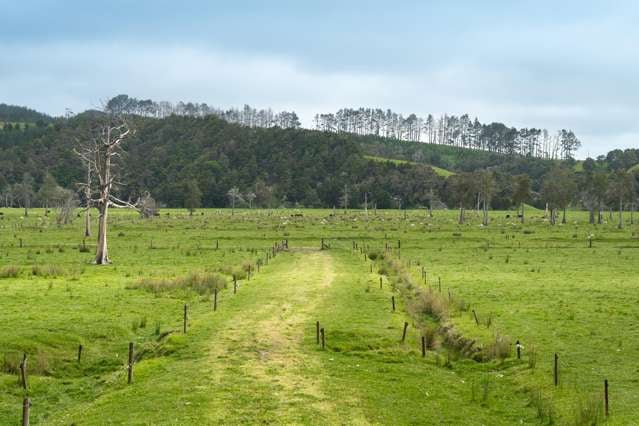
point(68, 202)
point(463, 188)
point(24, 192)
point(234, 195)
point(621, 189)
point(521, 192)
point(558, 189)
point(48, 192)
point(147, 206)
point(250, 196)
point(486, 190)
point(192, 196)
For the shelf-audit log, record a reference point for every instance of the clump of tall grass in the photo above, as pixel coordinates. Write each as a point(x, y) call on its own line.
point(428, 303)
point(202, 283)
point(48, 270)
point(500, 349)
point(545, 409)
point(9, 271)
point(588, 410)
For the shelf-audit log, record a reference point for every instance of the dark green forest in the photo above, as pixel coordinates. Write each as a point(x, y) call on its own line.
point(196, 161)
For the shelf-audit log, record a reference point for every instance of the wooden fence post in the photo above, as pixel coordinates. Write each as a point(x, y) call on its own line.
point(404, 332)
point(423, 346)
point(185, 316)
point(380, 282)
point(23, 372)
point(26, 405)
point(393, 302)
point(323, 335)
point(130, 366)
point(317, 332)
point(476, 319)
point(215, 299)
point(234, 284)
point(556, 370)
point(606, 397)
point(79, 353)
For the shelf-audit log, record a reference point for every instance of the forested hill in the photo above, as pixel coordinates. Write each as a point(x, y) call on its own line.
point(183, 157)
point(17, 114)
point(165, 156)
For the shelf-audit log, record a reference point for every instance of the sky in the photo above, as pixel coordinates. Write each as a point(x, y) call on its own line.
point(545, 64)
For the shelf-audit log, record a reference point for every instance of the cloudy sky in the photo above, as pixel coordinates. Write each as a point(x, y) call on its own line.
point(569, 64)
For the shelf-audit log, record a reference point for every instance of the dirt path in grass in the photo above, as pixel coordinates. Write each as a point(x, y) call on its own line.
point(266, 363)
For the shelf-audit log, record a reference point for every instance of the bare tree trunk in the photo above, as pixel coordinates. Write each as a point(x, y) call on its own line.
point(600, 215)
point(591, 215)
point(87, 223)
point(430, 203)
point(522, 212)
point(563, 219)
point(485, 208)
point(620, 225)
point(461, 214)
point(102, 252)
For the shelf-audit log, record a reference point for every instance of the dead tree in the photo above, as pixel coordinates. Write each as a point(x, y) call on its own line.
point(100, 152)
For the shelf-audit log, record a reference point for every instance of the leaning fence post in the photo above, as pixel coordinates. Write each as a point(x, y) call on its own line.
point(79, 353)
point(476, 319)
point(393, 302)
point(404, 332)
point(130, 365)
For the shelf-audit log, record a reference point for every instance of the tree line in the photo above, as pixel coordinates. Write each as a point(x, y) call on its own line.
point(247, 116)
point(192, 162)
point(460, 132)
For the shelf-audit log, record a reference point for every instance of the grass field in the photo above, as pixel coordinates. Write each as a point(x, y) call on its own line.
point(440, 172)
point(255, 358)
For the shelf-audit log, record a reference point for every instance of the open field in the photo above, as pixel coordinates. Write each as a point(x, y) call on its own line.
point(255, 359)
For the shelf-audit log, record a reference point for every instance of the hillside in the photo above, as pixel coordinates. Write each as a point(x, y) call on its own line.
point(281, 167)
point(18, 114)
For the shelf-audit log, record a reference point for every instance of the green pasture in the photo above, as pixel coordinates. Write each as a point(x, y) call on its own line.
point(255, 359)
